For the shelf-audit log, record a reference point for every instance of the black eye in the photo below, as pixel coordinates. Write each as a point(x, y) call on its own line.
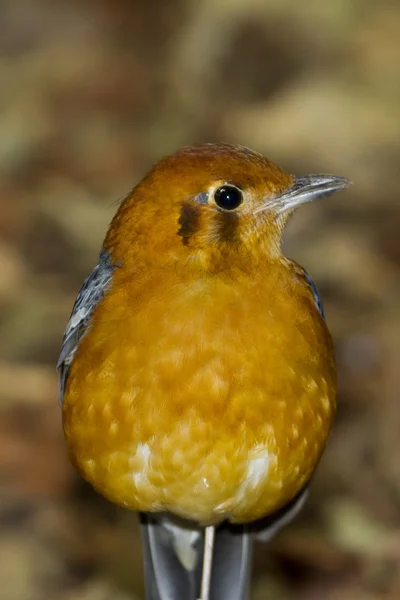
point(228, 197)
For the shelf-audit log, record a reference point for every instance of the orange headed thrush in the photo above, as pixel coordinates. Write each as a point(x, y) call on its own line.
point(197, 375)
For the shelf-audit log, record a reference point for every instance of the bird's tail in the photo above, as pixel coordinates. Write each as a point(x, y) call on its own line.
point(173, 559)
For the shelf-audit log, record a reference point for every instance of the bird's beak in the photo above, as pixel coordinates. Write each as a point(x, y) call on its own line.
point(311, 187)
point(305, 189)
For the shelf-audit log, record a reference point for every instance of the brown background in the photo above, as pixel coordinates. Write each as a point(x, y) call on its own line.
point(92, 92)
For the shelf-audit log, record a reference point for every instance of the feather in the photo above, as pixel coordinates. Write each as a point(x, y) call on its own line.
point(176, 575)
point(89, 296)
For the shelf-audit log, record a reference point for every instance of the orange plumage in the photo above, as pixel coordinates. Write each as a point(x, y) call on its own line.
point(204, 380)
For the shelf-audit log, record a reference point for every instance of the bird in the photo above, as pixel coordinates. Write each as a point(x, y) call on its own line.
point(197, 374)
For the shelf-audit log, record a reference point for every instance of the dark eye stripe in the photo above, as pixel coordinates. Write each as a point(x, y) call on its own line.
point(228, 224)
point(189, 221)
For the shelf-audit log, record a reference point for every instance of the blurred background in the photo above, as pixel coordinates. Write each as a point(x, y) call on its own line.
point(92, 93)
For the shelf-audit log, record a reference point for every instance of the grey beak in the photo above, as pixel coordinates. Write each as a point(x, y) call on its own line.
point(308, 188)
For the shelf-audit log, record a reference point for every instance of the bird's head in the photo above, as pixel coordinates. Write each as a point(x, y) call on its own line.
point(211, 204)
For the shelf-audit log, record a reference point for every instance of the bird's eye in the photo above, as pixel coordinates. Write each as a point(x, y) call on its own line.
point(228, 197)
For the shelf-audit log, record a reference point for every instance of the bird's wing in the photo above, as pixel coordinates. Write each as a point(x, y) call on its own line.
point(88, 297)
point(265, 529)
point(315, 293)
point(173, 558)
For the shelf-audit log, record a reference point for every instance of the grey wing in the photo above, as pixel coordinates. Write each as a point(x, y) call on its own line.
point(88, 297)
point(265, 529)
point(315, 293)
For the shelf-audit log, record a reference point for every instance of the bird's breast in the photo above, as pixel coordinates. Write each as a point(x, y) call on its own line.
point(210, 398)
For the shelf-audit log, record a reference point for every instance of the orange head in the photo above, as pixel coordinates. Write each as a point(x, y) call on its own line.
point(206, 202)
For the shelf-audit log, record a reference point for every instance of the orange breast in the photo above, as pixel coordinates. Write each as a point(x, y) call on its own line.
point(210, 399)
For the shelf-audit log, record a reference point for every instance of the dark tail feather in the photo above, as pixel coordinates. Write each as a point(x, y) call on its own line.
point(166, 577)
point(231, 572)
